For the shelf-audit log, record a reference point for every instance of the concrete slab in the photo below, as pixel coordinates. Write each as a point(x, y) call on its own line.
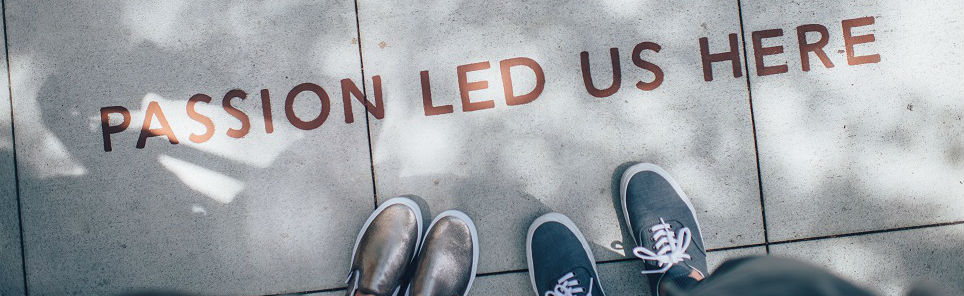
point(514, 283)
point(618, 278)
point(860, 147)
point(267, 213)
point(892, 262)
point(506, 165)
point(11, 263)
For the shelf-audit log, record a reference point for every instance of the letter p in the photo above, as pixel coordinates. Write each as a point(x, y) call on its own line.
point(108, 129)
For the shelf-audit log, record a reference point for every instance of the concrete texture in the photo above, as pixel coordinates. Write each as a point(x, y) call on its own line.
point(618, 278)
point(562, 152)
point(11, 263)
point(268, 213)
point(891, 263)
point(853, 150)
point(864, 147)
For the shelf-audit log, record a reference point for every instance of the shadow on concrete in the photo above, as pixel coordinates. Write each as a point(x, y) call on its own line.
point(80, 203)
point(99, 222)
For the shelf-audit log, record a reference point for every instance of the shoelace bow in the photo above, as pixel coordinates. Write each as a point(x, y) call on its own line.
point(567, 286)
point(670, 247)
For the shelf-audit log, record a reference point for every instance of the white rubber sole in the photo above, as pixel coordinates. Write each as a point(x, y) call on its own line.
point(475, 244)
point(565, 221)
point(644, 167)
point(393, 201)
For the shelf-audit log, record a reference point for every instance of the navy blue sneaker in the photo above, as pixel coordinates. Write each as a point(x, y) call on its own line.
point(663, 224)
point(560, 262)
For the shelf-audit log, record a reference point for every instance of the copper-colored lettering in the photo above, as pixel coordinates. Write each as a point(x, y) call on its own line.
point(638, 60)
point(465, 87)
point(759, 51)
point(290, 102)
point(850, 41)
point(708, 59)
point(204, 120)
point(266, 111)
point(348, 89)
point(587, 74)
point(427, 98)
point(379, 108)
point(817, 47)
point(154, 110)
point(505, 67)
point(108, 129)
point(245, 122)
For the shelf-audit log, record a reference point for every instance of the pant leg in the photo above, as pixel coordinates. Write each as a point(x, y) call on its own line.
point(764, 275)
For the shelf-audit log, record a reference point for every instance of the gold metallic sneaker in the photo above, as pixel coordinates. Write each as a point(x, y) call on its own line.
point(448, 258)
point(385, 247)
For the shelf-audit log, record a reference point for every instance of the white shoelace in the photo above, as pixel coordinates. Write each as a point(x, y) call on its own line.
point(567, 286)
point(353, 286)
point(670, 247)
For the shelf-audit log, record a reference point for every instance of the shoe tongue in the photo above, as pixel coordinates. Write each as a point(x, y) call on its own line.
point(674, 226)
point(581, 274)
point(645, 235)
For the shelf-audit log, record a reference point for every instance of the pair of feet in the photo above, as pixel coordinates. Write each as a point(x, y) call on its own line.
point(391, 257)
point(659, 217)
point(391, 254)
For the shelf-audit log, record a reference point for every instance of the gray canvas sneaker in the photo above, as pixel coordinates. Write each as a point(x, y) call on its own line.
point(385, 247)
point(560, 262)
point(663, 224)
point(448, 258)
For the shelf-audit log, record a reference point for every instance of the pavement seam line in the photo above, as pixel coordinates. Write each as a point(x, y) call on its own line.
point(13, 145)
point(368, 131)
point(869, 232)
point(756, 145)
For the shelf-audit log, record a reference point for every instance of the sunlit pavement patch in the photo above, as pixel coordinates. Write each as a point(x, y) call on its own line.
point(892, 262)
point(874, 142)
